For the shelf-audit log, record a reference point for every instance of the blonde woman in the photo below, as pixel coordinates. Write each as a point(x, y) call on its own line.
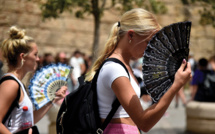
point(128, 40)
point(21, 54)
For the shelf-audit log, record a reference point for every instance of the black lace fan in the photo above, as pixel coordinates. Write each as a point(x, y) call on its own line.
point(163, 56)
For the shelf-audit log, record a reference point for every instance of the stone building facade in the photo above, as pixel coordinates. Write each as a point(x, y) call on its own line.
point(68, 33)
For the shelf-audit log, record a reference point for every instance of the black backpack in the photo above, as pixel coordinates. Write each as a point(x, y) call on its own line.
point(206, 90)
point(79, 112)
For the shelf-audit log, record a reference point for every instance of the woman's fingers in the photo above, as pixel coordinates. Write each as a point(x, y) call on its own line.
point(183, 74)
point(30, 131)
point(61, 93)
point(183, 65)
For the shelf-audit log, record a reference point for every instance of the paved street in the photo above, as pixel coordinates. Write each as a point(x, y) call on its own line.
point(173, 122)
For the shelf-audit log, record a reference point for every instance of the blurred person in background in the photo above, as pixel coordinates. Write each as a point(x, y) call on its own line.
point(61, 58)
point(199, 75)
point(77, 63)
point(48, 59)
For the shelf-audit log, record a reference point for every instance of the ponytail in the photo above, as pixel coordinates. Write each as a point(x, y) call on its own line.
point(109, 48)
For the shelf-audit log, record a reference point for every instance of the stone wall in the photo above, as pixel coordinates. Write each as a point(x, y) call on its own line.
point(68, 33)
point(200, 117)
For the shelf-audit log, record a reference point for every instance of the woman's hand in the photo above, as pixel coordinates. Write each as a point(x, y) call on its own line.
point(60, 94)
point(183, 74)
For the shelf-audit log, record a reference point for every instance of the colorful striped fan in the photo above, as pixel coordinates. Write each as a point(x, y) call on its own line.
point(46, 82)
point(163, 56)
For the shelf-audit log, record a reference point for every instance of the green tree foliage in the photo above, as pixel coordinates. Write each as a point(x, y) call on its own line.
point(208, 12)
point(53, 9)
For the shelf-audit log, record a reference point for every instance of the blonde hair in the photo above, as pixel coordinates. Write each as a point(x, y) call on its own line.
point(141, 21)
point(17, 43)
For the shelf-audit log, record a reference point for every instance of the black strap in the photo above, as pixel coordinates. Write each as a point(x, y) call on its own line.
point(15, 102)
point(116, 103)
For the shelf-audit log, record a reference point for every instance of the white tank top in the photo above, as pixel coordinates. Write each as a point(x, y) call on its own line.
point(13, 123)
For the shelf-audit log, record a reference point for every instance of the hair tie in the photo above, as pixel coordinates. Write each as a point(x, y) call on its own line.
point(118, 24)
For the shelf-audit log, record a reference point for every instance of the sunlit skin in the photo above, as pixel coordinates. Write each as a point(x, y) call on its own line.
point(31, 59)
point(139, 45)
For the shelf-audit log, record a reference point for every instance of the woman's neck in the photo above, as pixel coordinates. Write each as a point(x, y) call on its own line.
point(18, 73)
point(122, 50)
point(123, 56)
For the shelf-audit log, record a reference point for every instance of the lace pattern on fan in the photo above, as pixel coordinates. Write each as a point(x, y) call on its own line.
point(163, 56)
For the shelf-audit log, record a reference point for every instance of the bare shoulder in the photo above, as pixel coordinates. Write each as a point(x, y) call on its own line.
point(8, 93)
point(9, 89)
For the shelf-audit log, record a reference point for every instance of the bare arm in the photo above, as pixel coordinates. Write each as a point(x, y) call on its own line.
point(8, 93)
point(145, 120)
point(38, 114)
point(194, 90)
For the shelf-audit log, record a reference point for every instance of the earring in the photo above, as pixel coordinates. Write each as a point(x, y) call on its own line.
point(129, 42)
point(22, 62)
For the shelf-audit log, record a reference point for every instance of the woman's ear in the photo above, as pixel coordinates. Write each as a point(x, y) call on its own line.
point(21, 59)
point(130, 34)
point(22, 56)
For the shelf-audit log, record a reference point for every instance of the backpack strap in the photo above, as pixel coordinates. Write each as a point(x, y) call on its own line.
point(15, 102)
point(116, 103)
